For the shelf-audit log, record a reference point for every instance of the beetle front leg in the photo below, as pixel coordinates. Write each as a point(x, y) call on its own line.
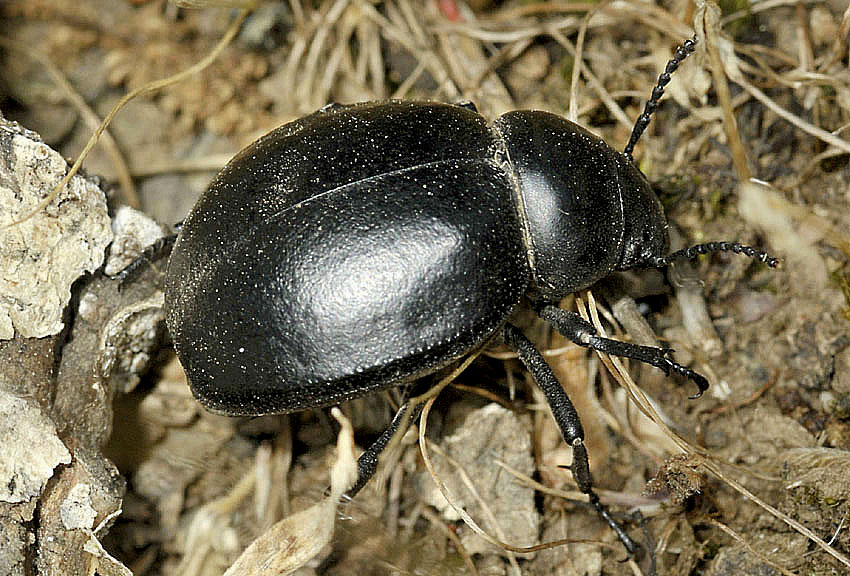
point(580, 331)
point(568, 421)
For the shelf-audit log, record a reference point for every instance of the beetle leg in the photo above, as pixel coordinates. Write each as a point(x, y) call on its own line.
point(577, 329)
point(155, 251)
point(367, 463)
point(568, 421)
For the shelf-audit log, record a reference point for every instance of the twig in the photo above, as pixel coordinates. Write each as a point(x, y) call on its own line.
point(748, 400)
point(711, 36)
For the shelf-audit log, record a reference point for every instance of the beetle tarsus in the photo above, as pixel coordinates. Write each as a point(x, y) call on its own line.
point(161, 247)
point(367, 463)
point(568, 421)
point(697, 378)
point(630, 545)
point(577, 329)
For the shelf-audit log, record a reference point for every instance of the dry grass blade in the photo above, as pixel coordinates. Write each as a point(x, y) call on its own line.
point(725, 63)
point(803, 125)
point(470, 485)
point(578, 63)
point(472, 71)
point(430, 395)
point(316, 54)
point(211, 163)
point(514, 32)
point(616, 368)
point(434, 519)
point(217, 3)
point(652, 16)
point(647, 506)
point(464, 515)
point(396, 28)
point(594, 82)
point(720, 52)
point(147, 89)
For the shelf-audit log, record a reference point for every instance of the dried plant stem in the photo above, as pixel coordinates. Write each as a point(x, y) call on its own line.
point(393, 30)
point(648, 506)
point(578, 65)
point(730, 126)
point(594, 82)
point(434, 519)
point(485, 508)
point(738, 538)
point(210, 163)
point(572, 113)
point(807, 127)
point(464, 515)
point(317, 58)
point(713, 467)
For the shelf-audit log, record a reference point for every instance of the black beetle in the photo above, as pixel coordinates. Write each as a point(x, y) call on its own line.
point(364, 246)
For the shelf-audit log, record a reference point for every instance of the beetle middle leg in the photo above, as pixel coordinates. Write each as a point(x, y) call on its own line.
point(160, 248)
point(568, 421)
point(580, 331)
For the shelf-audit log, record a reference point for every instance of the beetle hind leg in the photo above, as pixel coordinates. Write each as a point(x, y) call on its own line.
point(580, 331)
point(367, 463)
point(568, 421)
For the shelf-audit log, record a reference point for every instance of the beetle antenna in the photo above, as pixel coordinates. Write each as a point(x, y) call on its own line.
point(642, 122)
point(709, 247)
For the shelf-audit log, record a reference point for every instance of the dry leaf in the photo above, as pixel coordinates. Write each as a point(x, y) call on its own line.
point(295, 540)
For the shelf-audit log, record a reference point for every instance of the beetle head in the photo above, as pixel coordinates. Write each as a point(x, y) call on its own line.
point(645, 237)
